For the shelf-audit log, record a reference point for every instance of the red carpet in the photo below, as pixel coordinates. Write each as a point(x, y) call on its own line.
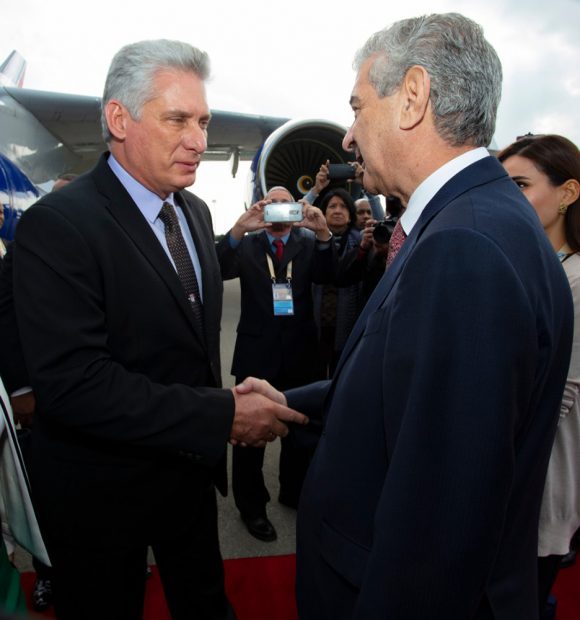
point(258, 589)
point(567, 592)
point(263, 589)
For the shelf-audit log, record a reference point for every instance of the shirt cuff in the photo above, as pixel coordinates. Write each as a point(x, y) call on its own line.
point(20, 391)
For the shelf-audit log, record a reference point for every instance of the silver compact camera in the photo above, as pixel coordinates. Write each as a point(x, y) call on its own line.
point(285, 212)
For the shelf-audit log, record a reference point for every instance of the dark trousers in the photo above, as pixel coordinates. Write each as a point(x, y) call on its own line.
point(250, 492)
point(249, 488)
point(42, 570)
point(328, 353)
point(25, 442)
point(110, 582)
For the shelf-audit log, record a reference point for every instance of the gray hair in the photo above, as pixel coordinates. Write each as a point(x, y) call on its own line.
point(278, 188)
point(134, 67)
point(464, 68)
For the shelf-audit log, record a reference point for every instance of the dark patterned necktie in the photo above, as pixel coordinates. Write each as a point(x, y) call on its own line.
point(182, 259)
point(279, 244)
point(397, 239)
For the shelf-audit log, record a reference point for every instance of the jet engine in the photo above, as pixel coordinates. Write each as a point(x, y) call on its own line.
point(292, 155)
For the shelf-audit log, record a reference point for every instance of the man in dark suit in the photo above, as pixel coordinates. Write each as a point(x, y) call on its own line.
point(274, 343)
point(118, 297)
point(423, 496)
point(15, 377)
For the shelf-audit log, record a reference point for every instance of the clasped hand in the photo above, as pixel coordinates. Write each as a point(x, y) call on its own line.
point(261, 414)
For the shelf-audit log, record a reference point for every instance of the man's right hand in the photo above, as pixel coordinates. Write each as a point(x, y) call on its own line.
point(250, 220)
point(23, 407)
point(260, 414)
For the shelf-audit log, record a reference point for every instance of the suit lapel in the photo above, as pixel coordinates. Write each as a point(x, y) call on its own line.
point(478, 173)
point(291, 249)
point(128, 216)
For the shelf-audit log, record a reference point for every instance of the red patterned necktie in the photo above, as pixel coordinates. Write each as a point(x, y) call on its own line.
point(397, 239)
point(182, 259)
point(279, 244)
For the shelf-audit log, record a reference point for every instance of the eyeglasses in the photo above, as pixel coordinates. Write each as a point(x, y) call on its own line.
point(363, 211)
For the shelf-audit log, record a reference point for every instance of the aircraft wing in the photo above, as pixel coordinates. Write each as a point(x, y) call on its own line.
point(46, 133)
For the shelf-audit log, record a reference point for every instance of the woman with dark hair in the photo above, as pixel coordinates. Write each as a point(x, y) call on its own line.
point(336, 308)
point(547, 169)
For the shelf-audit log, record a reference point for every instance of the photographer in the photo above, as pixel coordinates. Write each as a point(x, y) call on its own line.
point(367, 262)
point(323, 179)
point(276, 336)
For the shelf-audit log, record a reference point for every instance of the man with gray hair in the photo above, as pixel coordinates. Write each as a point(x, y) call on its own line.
point(422, 499)
point(118, 295)
point(276, 336)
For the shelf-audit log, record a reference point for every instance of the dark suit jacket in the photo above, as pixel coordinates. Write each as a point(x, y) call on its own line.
point(12, 366)
point(422, 500)
point(130, 427)
point(283, 349)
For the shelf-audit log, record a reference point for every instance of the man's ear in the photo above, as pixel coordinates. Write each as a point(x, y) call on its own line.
point(117, 115)
point(414, 91)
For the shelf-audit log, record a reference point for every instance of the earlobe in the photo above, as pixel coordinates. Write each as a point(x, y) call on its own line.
point(116, 115)
point(415, 91)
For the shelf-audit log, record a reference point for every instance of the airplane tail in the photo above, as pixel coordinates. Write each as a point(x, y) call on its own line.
point(12, 70)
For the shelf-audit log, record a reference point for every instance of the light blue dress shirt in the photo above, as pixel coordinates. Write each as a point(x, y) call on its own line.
point(149, 204)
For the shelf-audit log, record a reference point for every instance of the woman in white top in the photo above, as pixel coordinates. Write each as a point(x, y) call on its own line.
point(547, 169)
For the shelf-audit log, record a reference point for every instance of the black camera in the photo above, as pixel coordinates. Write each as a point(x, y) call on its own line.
point(382, 231)
point(340, 172)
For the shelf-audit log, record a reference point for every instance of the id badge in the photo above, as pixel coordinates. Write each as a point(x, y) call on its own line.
point(283, 302)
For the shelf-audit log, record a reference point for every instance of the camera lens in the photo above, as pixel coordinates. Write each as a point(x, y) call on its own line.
point(383, 230)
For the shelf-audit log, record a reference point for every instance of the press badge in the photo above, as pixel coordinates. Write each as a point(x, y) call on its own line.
point(283, 302)
point(281, 293)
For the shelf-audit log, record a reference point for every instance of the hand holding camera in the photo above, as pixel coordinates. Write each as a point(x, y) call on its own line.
point(315, 221)
point(250, 220)
point(382, 231)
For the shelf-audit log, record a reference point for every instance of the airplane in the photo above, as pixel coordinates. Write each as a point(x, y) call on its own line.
point(44, 134)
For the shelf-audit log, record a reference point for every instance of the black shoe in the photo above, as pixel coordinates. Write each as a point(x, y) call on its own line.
point(260, 528)
point(569, 559)
point(42, 594)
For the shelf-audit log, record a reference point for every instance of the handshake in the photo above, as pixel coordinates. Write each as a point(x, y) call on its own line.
point(261, 414)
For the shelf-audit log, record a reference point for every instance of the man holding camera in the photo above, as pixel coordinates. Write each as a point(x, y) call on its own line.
point(276, 335)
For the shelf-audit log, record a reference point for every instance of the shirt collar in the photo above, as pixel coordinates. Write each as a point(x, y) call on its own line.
point(149, 203)
point(433, 183)
point(284, 238)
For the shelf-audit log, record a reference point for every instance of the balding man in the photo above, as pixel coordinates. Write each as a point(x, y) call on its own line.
point(276, 336)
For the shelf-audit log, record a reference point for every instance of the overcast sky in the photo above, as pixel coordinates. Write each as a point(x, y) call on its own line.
point(294, 59)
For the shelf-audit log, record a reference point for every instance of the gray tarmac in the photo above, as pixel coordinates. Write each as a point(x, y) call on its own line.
point(235, 540)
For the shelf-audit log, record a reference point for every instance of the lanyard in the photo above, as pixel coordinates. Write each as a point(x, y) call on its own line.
point(272, 273)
